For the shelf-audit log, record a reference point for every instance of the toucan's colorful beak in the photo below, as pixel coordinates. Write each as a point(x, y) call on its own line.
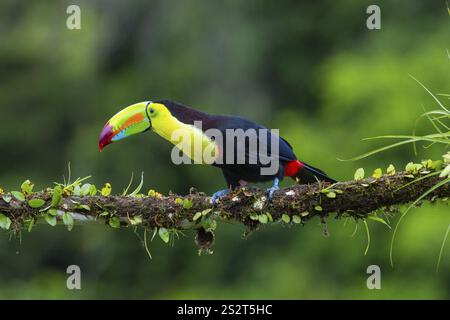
point(129, 121)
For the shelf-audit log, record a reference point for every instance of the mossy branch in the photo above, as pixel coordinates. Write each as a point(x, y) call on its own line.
point(250, 207)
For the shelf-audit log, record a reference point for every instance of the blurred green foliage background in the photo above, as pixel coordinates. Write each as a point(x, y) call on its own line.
point(312, 69)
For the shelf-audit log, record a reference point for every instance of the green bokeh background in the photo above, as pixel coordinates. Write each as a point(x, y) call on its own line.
point(312, 69)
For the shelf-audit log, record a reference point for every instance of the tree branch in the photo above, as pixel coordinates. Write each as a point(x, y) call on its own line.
point(248, 206)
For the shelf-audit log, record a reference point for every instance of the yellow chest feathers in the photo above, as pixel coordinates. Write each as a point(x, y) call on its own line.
point(189, 139)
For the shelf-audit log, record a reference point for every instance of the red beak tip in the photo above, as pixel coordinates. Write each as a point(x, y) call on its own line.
point(101, 145)
point(105, 137)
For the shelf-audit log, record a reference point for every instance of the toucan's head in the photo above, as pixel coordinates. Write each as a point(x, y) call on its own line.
point(136, 118)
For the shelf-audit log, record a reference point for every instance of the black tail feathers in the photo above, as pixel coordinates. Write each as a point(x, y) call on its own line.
point(309, 174)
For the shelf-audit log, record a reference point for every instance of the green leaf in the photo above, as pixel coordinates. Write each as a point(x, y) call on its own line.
point(85, 189)
point(53, 212)
point(206, 211)
point(93, 190)
point(84, 207)
point(445, 172)
point(139, 187)
point(378, 219)
point(104, 214)
point(57, 196)
point(377, 173)
point(427, 163)
point(286, 218)
point(446, 157)
point(51, 219)
point(197, 216)
point(413, 168)
point(436, 165)
point(136, 220)
point(114, 222)
point(331, 194)
point(179, 201)
point(187, 203)
point(68, 220)
point(318, 208)
point(164, 234)
point(5, 222)
point(390, 170)
point(296, 219)
point(106, 190)
point(262, 218)
point(409, 167)
point(209, 224)
point(359, 174)
point(77, 191)
point(18, 195)
point(7, 199)
point(125, 191)
point(27, 187)
point(36, 203)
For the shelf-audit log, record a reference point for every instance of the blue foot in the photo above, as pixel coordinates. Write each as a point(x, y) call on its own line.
point(219, 194)
point(274, 188)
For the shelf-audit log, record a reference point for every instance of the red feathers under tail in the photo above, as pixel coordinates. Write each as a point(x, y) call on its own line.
point(305, 172)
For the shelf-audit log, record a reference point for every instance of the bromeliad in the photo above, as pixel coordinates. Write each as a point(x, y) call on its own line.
point(166, 118)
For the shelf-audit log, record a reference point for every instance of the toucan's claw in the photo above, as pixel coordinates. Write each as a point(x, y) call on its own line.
point(219, 195)
point(272, 189)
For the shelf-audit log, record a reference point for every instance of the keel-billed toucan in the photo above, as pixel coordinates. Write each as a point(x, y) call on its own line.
point(167, 118)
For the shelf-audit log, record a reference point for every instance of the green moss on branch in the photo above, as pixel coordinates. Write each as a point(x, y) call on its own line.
point(296, 204)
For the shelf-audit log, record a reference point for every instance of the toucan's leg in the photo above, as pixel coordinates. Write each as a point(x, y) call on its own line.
point(219, 194)
point(232, 182)
point(274, 188)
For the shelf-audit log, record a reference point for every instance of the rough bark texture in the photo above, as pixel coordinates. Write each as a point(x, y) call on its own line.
point(353, 198)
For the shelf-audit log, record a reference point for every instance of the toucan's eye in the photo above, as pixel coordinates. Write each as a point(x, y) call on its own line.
point(152, 111)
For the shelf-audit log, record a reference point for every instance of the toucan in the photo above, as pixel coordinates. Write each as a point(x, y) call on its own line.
point(198, 135)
